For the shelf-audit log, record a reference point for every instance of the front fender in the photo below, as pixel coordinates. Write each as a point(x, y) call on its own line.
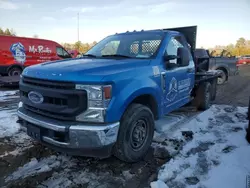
point(128, 93)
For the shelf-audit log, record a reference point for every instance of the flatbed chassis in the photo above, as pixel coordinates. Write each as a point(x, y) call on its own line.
point(208, 76)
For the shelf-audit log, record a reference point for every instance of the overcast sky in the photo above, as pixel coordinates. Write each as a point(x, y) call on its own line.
point(219, 21)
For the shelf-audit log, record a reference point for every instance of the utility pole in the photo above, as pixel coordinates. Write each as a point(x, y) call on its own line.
point(78, 27)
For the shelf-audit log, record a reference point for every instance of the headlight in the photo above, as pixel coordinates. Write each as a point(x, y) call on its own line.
point(96, 92)
point(98, 100)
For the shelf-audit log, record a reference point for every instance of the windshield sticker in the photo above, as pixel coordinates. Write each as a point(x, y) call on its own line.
point(156, 71)
point(18, 52)
point(39, 49)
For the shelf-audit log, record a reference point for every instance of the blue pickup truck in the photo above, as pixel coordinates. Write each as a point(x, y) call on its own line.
point(106, 102)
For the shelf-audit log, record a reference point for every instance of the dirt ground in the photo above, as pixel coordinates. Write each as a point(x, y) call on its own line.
point(21, 158)
point(237, 90)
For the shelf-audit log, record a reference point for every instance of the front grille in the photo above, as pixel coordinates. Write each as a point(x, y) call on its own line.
point(48, 84)
point(61, 100)
point(49, 113)
point(49, 100)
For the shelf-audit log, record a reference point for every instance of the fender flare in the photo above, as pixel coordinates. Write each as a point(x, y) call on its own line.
point(143, 91)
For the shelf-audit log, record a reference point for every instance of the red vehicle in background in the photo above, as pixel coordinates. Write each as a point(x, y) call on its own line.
point(243, 60)
point(74, 53)
point(16, 53)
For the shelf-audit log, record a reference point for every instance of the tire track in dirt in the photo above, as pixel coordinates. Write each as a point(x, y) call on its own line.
point(10, 163)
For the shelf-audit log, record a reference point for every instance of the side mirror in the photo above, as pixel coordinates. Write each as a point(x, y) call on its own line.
point(170, 65)
point(183, 57)
point(169, 57)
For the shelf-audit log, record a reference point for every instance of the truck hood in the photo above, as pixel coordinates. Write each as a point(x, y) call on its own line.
point(82, 70)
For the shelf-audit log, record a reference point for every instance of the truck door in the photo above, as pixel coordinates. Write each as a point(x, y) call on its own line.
point(179, 80)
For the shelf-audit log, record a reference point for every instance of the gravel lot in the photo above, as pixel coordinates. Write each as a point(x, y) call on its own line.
point(237, 90)
point(18, 150)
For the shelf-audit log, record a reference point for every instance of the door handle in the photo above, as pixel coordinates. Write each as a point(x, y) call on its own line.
point(189, 70)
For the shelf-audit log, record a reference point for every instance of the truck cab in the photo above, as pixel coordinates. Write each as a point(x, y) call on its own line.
point(107, 101)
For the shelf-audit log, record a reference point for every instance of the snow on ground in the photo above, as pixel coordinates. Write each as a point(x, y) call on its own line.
point(64, 171)
point(208, 150)
point(10, 132)
point(215, 155)
point(8, 95)
point(8, 125)
point(34, 167)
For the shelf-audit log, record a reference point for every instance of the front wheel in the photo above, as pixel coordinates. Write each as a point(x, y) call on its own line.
point(15, 71)
point(135, 133)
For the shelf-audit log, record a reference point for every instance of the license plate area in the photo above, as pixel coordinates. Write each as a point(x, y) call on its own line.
point(34, 132)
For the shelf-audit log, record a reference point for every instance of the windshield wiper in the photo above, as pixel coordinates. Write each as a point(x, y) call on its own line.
point(116, 55)
point(88, 55)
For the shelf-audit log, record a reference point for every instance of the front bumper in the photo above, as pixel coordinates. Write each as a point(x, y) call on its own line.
point(95, 140)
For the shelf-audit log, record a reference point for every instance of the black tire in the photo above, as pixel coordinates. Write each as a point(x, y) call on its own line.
point(213, 89)
point(222, 78)
point(248, 135)
point(203, 96)
point(136, 118)
point(14, 71)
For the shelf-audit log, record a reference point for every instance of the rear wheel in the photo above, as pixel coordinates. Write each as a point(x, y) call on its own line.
point(203, 96)
point(135, 133)
point(248, 134)
point(15, 71)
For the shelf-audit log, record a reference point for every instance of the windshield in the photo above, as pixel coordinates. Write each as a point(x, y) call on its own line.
point(135, 45)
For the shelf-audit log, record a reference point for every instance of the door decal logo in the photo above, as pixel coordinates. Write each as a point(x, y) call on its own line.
point(184, 85)
point(18, 52)
point(176, 88)
point(173, 90)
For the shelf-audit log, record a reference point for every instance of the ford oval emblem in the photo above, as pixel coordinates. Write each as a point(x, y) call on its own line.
point(35, 97)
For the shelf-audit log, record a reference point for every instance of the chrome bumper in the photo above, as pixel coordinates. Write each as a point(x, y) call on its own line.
point(79, 135)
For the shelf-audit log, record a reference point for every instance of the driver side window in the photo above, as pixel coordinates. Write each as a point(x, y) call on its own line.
point(173, 45)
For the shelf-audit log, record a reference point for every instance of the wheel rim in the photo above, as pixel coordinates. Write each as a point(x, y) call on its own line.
point(221, 78)
point(15, 73)
point(139, 134)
